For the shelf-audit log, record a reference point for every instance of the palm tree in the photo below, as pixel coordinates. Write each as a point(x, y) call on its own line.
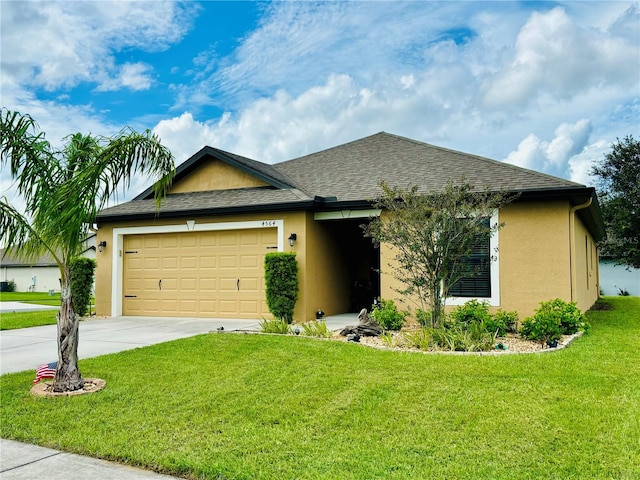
point(63, 191)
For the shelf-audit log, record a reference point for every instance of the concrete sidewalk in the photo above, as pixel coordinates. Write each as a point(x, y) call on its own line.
point(21, 461)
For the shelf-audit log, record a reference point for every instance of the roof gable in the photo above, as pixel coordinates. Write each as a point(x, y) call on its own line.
point(213, 169)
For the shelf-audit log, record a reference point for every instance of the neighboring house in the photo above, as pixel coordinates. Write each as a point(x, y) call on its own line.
point(40, 275)
point(201, 254)
point(616, 279)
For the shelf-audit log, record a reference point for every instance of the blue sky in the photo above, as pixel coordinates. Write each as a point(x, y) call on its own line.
point(544, 85)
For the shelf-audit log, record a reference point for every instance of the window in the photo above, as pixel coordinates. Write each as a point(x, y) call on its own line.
point(477, 285)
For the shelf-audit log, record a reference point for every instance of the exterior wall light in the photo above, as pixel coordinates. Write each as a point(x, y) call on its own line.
point(101, 245)
point(292, 239)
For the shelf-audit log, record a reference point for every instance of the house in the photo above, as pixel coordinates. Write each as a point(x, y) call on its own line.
point(201, 254)
point(39, 275)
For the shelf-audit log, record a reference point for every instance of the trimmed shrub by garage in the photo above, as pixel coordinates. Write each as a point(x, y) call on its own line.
point(82, 274)
point(281, 279)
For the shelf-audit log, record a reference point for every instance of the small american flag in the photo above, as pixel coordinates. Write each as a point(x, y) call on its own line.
point(46, 370)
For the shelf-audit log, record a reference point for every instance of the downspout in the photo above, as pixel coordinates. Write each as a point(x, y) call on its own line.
point(572, 234)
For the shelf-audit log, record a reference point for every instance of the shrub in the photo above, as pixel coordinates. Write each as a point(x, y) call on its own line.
point(502, 323)
point(387, 315)
point(281, 279)
point(82, 272)
point(316, 329)
point(11, 286)
point(553, 319)
point(541, 328)
point(277, 325)
point(474, 313)
point(469, 313)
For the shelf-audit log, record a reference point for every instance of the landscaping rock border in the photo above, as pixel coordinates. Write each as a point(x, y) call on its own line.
point(91, 385)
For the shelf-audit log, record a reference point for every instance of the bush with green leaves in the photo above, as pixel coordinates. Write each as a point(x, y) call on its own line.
point(470, 313)
point(502, 323)
point(553, 319)
point(281, 279)
point(474, 313)
point(386, 314)
point(82, 274)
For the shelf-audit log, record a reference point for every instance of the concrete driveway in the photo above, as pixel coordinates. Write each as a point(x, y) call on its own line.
point(25, 348)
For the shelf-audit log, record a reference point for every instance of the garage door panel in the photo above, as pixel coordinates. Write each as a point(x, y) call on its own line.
point(228, 284)
point(249, 285)
point(228, 307)
point(249, 261)
point(228, 261)
point(199, 273)
point(188, 262)
point(208, 262)
point(207, 284)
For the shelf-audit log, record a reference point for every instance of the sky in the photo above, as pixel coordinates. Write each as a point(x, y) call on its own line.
point(544, 85)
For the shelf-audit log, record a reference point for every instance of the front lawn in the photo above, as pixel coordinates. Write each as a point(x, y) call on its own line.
point(223, 406)
point(13, 320)
point(39, 298)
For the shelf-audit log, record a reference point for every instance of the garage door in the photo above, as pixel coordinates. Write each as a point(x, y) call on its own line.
point(197, 274)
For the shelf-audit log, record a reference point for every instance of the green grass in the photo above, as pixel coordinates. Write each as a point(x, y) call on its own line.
point(39, 298)
point(13, 320)
point(223, 406)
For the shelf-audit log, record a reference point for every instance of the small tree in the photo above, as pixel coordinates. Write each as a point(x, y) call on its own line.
point(63, 191)
point(432, 237)
point(281, 279)
point(619, 190)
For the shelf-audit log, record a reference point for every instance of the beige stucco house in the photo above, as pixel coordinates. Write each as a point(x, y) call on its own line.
point(201, 254)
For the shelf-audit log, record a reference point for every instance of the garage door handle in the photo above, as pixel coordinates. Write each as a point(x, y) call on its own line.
point(238, 284)
point(160, 284)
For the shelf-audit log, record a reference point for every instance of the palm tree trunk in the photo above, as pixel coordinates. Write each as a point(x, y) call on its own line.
point(68, 377)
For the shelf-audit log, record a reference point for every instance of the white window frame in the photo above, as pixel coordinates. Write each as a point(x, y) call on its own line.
point(494, 271)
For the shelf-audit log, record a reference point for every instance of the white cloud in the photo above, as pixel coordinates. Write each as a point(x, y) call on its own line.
point(554, 56)
point(60, 44)
point(564, 156)
point(134, 76)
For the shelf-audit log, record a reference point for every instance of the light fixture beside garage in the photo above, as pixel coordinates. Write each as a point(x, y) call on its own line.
point(102, 245)
point(292, 239)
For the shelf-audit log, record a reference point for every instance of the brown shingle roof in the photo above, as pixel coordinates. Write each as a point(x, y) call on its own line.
point(353, 171)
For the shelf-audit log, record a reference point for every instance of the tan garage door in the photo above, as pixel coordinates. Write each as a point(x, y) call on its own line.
point(197, 274)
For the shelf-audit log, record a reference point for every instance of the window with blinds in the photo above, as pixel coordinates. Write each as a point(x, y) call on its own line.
point(478, 283)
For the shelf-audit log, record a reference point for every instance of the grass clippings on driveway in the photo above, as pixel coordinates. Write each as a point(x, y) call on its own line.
point(224, 406)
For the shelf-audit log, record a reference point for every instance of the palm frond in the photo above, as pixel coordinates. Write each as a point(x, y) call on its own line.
point(20, 237)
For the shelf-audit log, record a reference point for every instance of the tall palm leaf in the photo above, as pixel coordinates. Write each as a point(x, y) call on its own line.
point(63, 191)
